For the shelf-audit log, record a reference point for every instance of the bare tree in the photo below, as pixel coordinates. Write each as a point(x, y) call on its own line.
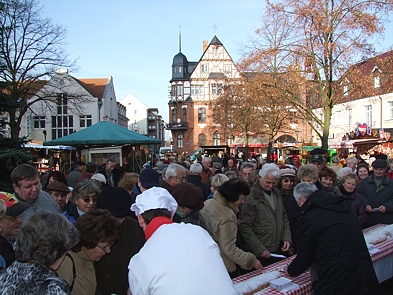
point(31, 50)
point(320, 41)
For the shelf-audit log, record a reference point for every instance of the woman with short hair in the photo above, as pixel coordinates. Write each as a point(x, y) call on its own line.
point(328, 177)
point(98, 231)
point(83, 199)
point(220, 217)
point(215, 182)
point(41, 246)
point(348, 188)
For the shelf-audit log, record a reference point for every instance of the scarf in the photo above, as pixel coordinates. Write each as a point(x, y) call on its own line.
point(155, 224)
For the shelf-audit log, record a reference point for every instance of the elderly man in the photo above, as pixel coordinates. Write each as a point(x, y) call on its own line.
point(73, 176)
point(231, 167)
point(332, 243)
point(263, 223)
point(157, 270)
point(246, 168)
point(174, 175)
point(112, 175)
point(194, 177)
point(59, 192)
point(378, 192)
point(207, 169)
point(26, 182)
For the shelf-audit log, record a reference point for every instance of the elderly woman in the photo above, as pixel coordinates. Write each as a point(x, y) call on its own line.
point(10, 221)
point(351, 163)
point(83, 199)
point(220, 217)
point(41, 247)
point(98, 231)
point(286, 183)
point(215, 182)
point(328, 177)
point(348, 188)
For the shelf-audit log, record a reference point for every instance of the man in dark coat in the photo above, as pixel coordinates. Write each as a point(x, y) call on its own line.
point(195, 178)
point(378, 192)
point(111, 173)
point(332, 243)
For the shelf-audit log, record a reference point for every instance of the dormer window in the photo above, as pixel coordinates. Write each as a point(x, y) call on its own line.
point(179, 69)
point(377, 82)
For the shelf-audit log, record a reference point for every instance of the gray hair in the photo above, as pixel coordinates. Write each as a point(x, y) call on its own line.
point(3, 209)
point(344, 171)
point(218, 179)
point(352, 159)
point(304, 189)
point(246, 165)
point(270, 168)
point(231, 174)
point(84, 188)
point(196, 169)
point(308, 170)
point(204, 158)
point(45, 238)
point(173, 170)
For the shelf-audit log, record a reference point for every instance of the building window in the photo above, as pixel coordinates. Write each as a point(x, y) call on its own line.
point(179, 69)
point(369, 115)
point(229, 140)
point(202, 139)
point(180, 141)
point(39, 122)
point(390, 109)
point(85, 121)
point(201, 115)
point(220, 88)
point(196, 90)
point(62, 123)
point(179, 90)
point(184, 115)
point(227, 68)
point(216, 139)
point(345, 90)
point(213, 88)
point(204, 68)
point(173, 115)
point(377, 82)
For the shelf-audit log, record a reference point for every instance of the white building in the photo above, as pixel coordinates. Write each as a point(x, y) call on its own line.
point(66, 104)
point(136, 113)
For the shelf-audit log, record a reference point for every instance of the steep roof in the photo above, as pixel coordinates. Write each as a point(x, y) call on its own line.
point(95, 86)
point(215, 41)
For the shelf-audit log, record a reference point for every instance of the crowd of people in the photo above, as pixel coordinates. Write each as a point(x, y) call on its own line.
point(175, 225)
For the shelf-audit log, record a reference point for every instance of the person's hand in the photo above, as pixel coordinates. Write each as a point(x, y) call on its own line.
point(382, 209)
point(257, 265)
point(265, 254)
point(291, 251)
point(369, 209)
point(286, 270)
point(286, 246)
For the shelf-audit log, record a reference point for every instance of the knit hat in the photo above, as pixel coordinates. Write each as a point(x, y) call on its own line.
point(149, 178)
point(14, 207)
point(58, 187)
point(154, 198)
point(188, 195)
point(116, 200)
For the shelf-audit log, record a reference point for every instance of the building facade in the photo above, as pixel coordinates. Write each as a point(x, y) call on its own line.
point(66, 104)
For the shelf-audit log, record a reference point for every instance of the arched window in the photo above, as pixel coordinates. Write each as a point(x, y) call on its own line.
point(202, 139)
point(180, 141)
point(216, 139)
point(201, 115)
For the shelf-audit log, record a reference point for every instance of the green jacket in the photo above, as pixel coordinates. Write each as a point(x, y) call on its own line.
point(262, 227)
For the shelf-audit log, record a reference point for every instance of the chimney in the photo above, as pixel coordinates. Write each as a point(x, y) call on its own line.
point(204, 46)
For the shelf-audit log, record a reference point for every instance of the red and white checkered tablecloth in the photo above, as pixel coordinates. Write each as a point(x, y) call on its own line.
point(304, 280)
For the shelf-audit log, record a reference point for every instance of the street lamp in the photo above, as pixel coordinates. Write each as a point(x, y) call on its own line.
point(99, 102)
point(297, 131)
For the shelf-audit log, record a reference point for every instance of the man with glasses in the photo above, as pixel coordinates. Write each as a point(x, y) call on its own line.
point(263, 222)
point(174, 175)
point(378, 192)
point(26, 182)
point(10, 222)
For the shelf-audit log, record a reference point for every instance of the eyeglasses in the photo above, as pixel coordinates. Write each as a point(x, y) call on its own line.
point(12, 218)
point(88, 199)
point(106, 249)
point(288, 180)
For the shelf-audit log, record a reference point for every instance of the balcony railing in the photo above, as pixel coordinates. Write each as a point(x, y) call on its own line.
point(177, 126)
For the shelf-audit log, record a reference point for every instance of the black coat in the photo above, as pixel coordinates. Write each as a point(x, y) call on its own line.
point(196, 180)
point(7, 252)
point(332, 242)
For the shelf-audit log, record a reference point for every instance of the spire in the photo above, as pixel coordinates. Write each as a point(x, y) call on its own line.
point(179, 38)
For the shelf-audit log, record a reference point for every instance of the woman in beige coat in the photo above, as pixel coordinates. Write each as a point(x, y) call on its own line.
point(220, 217)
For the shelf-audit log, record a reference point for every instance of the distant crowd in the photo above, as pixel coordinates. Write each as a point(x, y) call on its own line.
point(192, 226)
